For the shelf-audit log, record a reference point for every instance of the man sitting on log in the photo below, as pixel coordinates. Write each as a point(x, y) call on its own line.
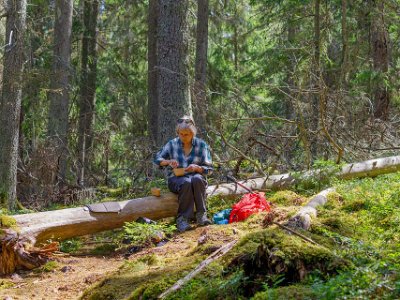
point(188, 159)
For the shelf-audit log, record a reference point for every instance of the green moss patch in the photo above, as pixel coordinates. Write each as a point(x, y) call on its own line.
point(287, 198)
point(295, 291)
point(8, 222)
point(50, 266)
point(278, 255)
point(6, 284)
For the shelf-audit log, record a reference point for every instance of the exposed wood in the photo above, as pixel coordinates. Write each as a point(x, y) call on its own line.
point(15, 256)
point(269, 220)
point(71, 222)
point(303, 218)
point(215, 255)
point(296, 233)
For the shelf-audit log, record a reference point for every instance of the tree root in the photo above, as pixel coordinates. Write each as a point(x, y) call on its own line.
point(15, 253)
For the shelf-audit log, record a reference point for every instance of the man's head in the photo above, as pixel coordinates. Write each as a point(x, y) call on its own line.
point(186, 123)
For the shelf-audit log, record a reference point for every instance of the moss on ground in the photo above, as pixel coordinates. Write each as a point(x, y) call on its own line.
point(357, 258)
point(287, 198)
point(295, 291)
point(7, 221)
point(6, 284)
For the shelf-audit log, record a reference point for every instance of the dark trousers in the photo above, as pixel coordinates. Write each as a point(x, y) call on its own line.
point(191, 190)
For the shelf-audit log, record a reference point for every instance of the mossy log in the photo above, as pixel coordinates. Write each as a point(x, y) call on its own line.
point(66, 223)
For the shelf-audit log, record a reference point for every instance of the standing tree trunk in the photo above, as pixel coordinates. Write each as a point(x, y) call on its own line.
point(316, 79)
point(345, 41)
point(60, 85)
point(380, 57)
point(88, 85)
point(200, 95)
point(2, 33)
point(10, 105)
point(291, 38)
point(172, 64)
point(152, 105)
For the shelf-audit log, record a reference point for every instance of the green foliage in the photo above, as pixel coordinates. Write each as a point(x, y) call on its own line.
point(143, 234)
point(71, 245)
point(48, 267)
point(143, 262)
point(104, 249)
point(287, 198)
point(6, 284)
point(217, 203)
point(358, 257)
point(7, 221)
point(323, 174)
point(295, 291)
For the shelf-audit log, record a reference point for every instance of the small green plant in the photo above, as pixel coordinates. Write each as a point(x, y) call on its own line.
point(71, 245)
point(143, 262)
point(5, 284)
point(141, 234)
point(104, 249)
point(48, 267)
point(7, 221)
point(323, 174)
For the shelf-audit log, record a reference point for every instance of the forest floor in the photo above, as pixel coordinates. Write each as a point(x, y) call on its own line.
point(73, 274)
point(356, 256)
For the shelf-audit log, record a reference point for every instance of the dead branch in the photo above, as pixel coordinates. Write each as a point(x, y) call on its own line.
point(215, 255)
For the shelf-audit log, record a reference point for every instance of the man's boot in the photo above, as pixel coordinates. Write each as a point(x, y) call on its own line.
point(202, 220)
point(182, 224)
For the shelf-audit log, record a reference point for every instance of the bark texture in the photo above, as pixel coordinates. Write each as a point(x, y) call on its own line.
point(88, 85)
point(199, 89)
point(152, 70)
point(316, 80)
point(60, 85)
point(172, 64)
point(10, 106)
point(380, 57)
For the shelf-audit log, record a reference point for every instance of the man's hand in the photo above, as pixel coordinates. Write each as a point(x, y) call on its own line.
point(194, 168)
point(172, 162)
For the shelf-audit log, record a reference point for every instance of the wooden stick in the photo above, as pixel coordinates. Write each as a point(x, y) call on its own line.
point(296, 233)
point(215, 255)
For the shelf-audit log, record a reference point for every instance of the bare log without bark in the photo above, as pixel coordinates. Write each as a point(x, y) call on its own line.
point(369, 168)
point(303, 218)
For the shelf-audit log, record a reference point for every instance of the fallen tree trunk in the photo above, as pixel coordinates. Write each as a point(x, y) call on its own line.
point(66, 223)
point(368, 168)
point(71, 222)
point(303, 217)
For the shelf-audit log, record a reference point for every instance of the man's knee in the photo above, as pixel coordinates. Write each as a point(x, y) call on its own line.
point(187, 184)
point(198, 180)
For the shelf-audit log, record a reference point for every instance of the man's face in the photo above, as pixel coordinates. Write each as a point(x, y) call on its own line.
point(185, 135)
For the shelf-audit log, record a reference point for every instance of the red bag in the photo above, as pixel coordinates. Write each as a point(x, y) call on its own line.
point(250, 203)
